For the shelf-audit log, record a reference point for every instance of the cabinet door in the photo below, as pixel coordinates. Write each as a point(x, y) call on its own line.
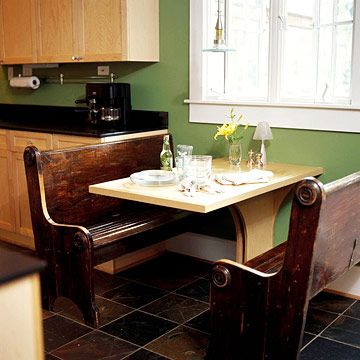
point(18, 140)
point(17, 21)
point(129, 30)
point(141, 34)
point(7, 221)
point(101, 39)
point(6, 201)
point(22, 208)
point(56, 30)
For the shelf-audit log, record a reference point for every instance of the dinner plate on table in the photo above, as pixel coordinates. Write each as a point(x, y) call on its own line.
point(153, 178)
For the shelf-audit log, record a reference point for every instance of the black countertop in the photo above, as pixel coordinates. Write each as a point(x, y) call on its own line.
point(73, 121)
point(14, 265)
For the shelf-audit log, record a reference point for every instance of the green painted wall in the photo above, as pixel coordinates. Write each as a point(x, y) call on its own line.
point(164, 86)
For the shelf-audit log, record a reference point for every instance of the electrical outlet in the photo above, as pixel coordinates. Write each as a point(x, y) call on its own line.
point(103, 70)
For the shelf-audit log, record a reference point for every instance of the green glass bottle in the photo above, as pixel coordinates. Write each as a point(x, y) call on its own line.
point(166, 156)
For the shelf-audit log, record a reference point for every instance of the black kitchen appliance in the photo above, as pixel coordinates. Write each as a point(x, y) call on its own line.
point(108, 102)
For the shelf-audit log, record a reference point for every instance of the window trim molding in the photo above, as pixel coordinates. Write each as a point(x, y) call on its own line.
point(342, 118)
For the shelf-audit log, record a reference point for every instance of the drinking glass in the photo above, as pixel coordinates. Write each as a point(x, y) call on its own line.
point(183, 159)
point(184, 150)
point(199, 169)
point(182, 165)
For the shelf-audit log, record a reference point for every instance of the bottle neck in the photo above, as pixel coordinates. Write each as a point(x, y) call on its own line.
point(166, 143)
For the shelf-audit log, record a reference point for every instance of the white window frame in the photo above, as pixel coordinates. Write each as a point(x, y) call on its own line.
point(343, 118)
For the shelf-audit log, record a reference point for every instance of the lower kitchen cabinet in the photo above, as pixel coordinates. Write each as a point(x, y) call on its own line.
point(18, 140)
point(6, 203)
point(22, 209)
point(67, 141)
point(15, 218)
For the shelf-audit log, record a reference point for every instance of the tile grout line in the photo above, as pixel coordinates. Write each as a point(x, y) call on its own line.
point(67, 343)
point(133, 310)
point(150, 342)
point(340, 342)
point(139, 309)
point(177, 324)
point(319, 335)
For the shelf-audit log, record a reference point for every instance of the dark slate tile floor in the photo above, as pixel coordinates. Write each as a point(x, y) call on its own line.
point(159, 310)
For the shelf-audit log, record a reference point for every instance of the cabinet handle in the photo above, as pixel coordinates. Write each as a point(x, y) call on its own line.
point(76, 58)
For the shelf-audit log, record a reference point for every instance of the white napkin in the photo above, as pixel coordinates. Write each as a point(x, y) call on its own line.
point(249, 177)
point(189, 187)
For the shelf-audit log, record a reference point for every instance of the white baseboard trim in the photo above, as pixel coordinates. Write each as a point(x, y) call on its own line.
point(348, 284)
point(212, 248)
point(201, 246)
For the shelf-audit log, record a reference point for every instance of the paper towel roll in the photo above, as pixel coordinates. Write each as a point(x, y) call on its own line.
point(30, 82)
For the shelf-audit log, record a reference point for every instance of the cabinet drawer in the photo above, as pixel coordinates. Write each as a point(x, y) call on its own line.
point(3, 141)
point(67, 141)
point(20, 139)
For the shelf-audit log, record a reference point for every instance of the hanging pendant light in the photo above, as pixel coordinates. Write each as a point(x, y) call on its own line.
point(219, 41)
point(219, 29)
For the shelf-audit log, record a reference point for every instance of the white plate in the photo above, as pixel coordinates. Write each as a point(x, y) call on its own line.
point(153, 178)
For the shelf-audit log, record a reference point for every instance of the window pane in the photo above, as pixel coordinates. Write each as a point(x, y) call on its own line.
point(213, 61)
point(215, 74)
point(249, 34)
point(315, 51)
point(304, 7)
point(324, 82)
point(345, 10)
point(326, 11)
point(343, 60)
point(298, 67)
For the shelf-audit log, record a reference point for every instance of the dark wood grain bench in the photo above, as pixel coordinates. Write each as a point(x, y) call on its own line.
point(258, 309)
point(75, 230)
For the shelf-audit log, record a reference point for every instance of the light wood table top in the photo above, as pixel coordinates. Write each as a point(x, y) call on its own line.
point(203, 202)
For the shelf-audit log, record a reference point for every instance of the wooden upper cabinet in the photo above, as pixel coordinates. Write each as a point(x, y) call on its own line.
point(129, 30)
point(17, 21)
point(56, 30)
point(60, 31)
point(140, 30)
point(106, 44)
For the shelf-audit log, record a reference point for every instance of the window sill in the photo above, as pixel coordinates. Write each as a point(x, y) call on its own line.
point(342, 118)
point(275, 105)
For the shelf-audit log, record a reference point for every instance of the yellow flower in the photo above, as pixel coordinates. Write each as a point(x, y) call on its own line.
point(226, 130)
point(229, 130)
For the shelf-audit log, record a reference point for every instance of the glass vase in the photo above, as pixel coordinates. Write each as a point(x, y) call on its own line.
point(235, 153)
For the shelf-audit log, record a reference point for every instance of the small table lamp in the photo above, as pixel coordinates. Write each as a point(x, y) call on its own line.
point(263, 132)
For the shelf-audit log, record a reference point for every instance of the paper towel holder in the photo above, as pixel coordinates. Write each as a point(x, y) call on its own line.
point(62, 78)
point(28, 82)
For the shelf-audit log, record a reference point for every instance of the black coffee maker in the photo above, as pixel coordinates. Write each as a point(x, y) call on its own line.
point(108, 102)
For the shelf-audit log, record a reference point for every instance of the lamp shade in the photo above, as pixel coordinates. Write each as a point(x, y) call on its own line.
point(263, 131)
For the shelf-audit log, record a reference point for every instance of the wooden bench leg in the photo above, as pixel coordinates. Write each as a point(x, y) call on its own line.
point(81, 285)
point(69, 273)
point(238, 313)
